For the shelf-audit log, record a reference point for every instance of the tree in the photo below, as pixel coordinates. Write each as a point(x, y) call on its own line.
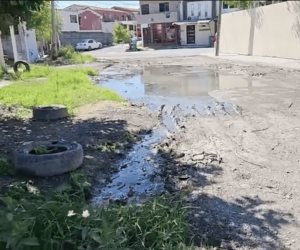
point(243, 4)
point(41, 21)
point(120, 34)
point(12, 11)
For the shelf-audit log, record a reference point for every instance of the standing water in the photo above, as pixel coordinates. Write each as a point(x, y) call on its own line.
point(176, 93)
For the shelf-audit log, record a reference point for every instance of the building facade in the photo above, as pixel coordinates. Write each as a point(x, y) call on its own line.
point(157, 22)
point(81, 18)
point(186, 23)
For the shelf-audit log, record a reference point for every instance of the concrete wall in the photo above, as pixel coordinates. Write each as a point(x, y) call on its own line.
point(65, 19)
point(74, 37)
point(272, 30)
point(154, 6)
point(7, 46)
point(108, 27)
point(157, 18)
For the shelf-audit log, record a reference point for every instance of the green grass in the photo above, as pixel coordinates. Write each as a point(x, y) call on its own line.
point(68, 86)
point(30, 220)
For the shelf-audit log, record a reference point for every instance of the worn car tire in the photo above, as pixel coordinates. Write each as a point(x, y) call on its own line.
point(17, 63)
point(48, 164)
point(49, 113)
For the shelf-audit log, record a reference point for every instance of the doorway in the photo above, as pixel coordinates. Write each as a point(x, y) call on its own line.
point(190, 34)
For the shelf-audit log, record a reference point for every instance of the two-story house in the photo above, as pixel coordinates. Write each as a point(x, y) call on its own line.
point(186, 22)
point(82, 18)
point(198, 23)
point(157, 22)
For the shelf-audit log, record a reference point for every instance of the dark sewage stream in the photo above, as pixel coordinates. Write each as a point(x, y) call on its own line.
point(175, 93)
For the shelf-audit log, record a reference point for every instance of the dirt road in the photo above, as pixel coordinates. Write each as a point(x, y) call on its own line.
point(240, 170)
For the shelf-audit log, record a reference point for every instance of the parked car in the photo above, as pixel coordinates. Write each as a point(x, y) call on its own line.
point(88, 44)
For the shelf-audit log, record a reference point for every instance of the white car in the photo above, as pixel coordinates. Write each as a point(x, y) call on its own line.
point(88, 44)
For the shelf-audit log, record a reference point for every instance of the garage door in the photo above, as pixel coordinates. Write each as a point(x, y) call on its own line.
point(202, 38)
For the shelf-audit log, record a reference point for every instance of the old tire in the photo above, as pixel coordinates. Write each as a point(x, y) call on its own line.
point(48, 164)
point(49, 113)
point(18, 63)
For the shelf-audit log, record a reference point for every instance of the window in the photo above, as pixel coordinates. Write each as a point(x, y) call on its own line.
point(163, 7)
point(91, 41)
point(206, 10)
point(199, 10)
point(73, 18)
point(192, 10)
point(79, 20)
point(145, 9)
point(130, 27)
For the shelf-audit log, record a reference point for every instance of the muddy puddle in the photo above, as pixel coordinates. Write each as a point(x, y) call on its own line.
point(174, 94)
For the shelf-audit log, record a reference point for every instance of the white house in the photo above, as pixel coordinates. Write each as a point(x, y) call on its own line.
point(198, 22)
point(69, 20)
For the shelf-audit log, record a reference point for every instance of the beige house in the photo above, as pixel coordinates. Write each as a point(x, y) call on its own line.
point(187, 22)
point(156, 19)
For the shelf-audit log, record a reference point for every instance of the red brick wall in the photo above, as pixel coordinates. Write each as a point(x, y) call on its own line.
point(90, 21)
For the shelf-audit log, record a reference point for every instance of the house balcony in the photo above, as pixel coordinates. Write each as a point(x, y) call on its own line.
point(165, 17)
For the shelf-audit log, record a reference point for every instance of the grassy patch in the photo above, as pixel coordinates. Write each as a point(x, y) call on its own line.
point(5, 167)
point(69, 54)
point(68, 86)
point(30, 220)
point(1, 73)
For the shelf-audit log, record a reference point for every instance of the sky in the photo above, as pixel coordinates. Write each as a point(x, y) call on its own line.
point(104, 4)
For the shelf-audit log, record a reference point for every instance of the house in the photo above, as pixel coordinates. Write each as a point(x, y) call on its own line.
point(156, 19)
point(186, 23)
point(198, 22)
point(82, 18)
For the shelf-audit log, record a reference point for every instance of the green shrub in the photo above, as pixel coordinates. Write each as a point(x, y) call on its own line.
point(1, 72)
point(29, 220)
point(120, 34)
point(66, 52)
point(5, 167)
point(70, 55)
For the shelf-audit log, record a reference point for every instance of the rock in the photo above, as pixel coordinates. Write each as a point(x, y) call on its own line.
point(183, 177)
point(130, 192)
point(88, 157)
point(124, 166)
point(198, 157)
point(181, 155)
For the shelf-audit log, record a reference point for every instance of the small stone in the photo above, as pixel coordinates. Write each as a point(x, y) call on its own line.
point(180, 155)
point(183, 177)
point(88, 157)
point(124, 166)
point(199, 157)
point(130, 192)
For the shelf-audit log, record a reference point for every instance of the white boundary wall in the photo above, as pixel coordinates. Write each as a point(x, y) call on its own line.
point(272, 30)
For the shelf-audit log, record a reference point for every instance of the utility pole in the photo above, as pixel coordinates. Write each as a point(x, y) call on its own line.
point(53, 39)
point(219, 27)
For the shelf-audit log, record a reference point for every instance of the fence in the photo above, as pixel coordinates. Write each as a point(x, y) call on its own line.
point(272, 30)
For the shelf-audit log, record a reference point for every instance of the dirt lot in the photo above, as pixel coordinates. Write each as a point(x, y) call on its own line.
point(239, 171)
point(106, 130)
